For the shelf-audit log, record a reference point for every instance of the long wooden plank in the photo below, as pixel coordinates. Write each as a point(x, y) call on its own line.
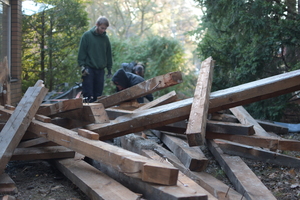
point(256, 153)
point(92, 112)
point(167, 98)
point(219, 100)
point(142, 89)
point(7, 185)
point(212, 126)
point(192, 157)
point(240, 175)
point(196, 127)
point(15, 127)
point(95, 184)
point(32, 142)
point(182, 179)
point(245, 118)
point(36, 153)
point(214, 186)
point(61, 106)
point(263, 142)
point(126, 162)
point(180, 191)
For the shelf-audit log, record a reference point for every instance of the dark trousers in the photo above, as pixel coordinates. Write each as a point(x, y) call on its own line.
point(92, 84)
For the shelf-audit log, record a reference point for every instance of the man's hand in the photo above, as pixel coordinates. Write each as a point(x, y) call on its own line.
point(84, 71)
point(109, 75)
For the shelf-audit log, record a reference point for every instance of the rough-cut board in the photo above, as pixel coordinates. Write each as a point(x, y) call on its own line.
point(212, 126)
point(245, 118)
point(142, 89)
point(215, 187)
point(180, 110)
point(240, 175)
point(195, 131)
point(15, 127)
point(272, 127)
point(32, 142)
point(42, 153)
point(192, 157)
point(152, 191)
point(182, 179)
point(167, 98)
point(95, 184)
point(263, 142)
point(61, 106)
point(124, 161)
point(7, 185)
point(92, 112)
point(256, 153)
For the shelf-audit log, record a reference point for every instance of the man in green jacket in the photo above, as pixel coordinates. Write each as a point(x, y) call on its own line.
point(93, 57)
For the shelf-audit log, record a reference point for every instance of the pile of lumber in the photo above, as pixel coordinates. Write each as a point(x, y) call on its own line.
point(138, 167)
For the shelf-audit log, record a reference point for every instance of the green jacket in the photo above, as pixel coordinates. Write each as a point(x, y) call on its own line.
point(95, 50)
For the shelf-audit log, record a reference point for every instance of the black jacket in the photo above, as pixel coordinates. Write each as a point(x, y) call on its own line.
point(127, 79)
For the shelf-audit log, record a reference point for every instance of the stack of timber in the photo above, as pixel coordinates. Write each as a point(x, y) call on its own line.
point(135, 166)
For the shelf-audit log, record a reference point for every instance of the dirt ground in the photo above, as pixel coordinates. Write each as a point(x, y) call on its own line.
point(40, 180)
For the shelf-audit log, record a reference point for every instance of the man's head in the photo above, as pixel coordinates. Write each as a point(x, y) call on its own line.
point(139, 70)
point(102, 23)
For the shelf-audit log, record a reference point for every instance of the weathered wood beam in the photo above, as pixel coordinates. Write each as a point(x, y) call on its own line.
point(16, 126)
point(245, 118)
point(256, 153)
point(142, 89)
point(191, 157)
point(212, 126)
point(32, 142)
point(126, 162)
point(36, 153)
point(59, 107)
point(196, 127)
point(263, 142)
point(180, 110)
point(271, 127)
point(240, 175)
point(7, 185)
point(151, 191)
point(214, 186)
point(95, 184)
point(182, 179)
point(167, 98)
point(92, 112)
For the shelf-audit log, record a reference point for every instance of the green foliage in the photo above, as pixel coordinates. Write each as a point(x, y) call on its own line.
point(250, 40)
point(50, 43)
point(159, 55)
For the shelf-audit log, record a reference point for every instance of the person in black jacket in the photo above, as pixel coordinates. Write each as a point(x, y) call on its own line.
point(124, 80)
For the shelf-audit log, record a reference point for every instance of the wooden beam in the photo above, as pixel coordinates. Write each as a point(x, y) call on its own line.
point(182, 179)
point(180, 110)
point(88, 134)
point(263, 142)
point(191, 157)
point(36, 153)
point(142, 89)
point(240, 175)
point(92, 112)
point(256, 153)
point(180, 191)
point(59, 107)
point(271, 127)
point(167, 98)
point(214, 186)
point(126, 162)
point(212, 126)
point(32, 142)
point(196, 127)
point(7, 185)
point(95, 184)
point(15, 128)
point(245, 118)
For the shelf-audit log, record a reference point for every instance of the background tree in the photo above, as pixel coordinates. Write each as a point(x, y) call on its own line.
point(251, 40)
point(50, 43)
